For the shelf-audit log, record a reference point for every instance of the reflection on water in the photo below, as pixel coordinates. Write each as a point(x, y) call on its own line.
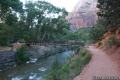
point(34, 71)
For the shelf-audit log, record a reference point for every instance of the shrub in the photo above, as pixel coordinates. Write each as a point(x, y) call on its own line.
point(21, 56)
point(99, 30)
point(78, 62)
point(64, 72)
point(112, 41)
point(54, 73)
point(71, 69)
point(85, 57)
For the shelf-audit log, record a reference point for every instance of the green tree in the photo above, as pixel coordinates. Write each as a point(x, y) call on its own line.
point(99, 30)
point(45, 21)
point(109, 10)
point(7, 6)
point(38, 20)
point(5, 34)
point(8, 19)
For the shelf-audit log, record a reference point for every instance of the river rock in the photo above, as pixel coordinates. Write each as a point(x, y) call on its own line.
point(44, 51)
point(7, 59)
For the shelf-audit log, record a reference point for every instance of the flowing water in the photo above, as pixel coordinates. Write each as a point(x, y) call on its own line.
point(34, 71)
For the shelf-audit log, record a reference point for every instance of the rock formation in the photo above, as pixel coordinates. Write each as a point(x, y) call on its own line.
point(83, 15)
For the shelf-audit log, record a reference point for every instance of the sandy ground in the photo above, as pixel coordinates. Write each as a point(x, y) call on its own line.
point(101, 65)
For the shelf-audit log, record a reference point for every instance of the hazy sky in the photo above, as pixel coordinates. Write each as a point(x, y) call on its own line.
point(67, 4)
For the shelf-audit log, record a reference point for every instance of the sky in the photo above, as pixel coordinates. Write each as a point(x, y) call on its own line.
point(67, 4)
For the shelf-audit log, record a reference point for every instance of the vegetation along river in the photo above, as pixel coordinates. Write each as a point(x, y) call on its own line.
point(37, 70)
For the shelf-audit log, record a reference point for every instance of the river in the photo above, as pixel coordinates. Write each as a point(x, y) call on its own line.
point(35, 71)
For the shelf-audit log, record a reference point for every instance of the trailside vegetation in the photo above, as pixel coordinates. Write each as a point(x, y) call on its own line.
point(70, 69)
point(109, 10)
point(106, 32)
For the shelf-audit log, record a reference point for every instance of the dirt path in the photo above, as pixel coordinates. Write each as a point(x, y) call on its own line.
point(100, 65)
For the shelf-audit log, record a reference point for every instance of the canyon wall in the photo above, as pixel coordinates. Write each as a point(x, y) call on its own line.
point(83, 14)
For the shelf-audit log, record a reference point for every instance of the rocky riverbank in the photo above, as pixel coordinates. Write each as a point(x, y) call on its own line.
point(44, 51)
point(7, 58)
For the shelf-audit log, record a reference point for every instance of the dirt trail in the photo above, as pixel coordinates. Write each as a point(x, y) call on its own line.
point(100, 65)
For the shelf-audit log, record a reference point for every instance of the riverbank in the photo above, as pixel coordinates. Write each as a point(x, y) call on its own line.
point(71, 68)
point(42, 58)
point(37, 70)
point(39, 52)
point(8, 57)
point(5, 49)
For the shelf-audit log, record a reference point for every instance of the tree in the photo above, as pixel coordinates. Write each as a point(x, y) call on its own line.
point(38, 20)
point(9, 20)
point(5, 34)
point(99, 30)
point(7, 6)
point(109, 10)
point(44, 20)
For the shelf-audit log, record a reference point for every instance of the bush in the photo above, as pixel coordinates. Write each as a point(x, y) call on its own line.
point(78, 62)
point(54, 73)
point(71, 69)
point(21, 56)
point(64, 72)
point(112, 41)
point(85, 57)
point(76, 49)
point(99, 30)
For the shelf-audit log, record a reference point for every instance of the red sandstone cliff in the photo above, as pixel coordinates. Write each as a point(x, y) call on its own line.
point(83, 15)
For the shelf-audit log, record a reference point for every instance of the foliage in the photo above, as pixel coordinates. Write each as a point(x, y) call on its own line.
point(54, 71)
point(7, 6)
point(112, 41)
point(5, 34)
point(21, 55)
point(38, 20)
point(8, 20)
point(78, 62)
point(64, 72)
point(109, 10)
point(69, 70)
point(82, 35)
point(99, 30)
point(45, 21)
point(108, 16)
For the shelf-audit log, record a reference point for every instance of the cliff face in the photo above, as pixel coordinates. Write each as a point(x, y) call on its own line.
point(83, 15)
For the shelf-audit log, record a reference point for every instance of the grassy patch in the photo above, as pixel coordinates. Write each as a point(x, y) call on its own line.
point(71, 69)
